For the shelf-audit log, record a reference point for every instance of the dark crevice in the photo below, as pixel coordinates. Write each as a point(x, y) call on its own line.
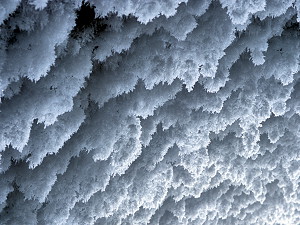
point(86, 18)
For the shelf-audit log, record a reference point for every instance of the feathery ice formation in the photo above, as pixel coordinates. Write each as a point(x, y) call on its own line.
point(149, 112)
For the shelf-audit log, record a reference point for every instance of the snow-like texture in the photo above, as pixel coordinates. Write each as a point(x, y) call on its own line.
point(149, 112)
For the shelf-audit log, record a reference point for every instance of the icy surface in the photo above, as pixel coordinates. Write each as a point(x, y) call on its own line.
point(149, 112)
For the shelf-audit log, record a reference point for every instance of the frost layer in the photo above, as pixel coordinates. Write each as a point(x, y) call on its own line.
point(149, 112)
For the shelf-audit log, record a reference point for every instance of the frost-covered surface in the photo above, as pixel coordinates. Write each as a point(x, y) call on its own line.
point(149, 112)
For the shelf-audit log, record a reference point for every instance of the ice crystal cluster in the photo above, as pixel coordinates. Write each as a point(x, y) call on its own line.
point(149, 112)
